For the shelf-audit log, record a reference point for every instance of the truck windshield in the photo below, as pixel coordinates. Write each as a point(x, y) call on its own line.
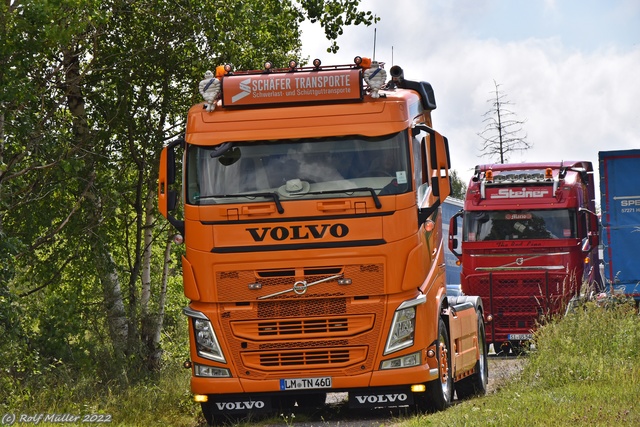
point(519, 224)
point(302, 168)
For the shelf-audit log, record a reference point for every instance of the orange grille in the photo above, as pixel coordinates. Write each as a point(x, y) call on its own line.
point(302, 307)
point(302, 328)
point(301, 359)
point(367, 279)
point(330, 326)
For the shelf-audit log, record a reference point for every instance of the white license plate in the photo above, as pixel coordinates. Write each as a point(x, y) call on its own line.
point(305, 383)
point(519, 337)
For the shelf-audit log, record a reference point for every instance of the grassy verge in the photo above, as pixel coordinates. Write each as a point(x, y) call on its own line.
point(164, 400)
point(585, 371)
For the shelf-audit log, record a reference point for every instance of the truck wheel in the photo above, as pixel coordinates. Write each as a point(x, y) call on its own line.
point(476, 384)
point(440, 392)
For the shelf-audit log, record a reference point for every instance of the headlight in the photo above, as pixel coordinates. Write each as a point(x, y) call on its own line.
point(403, 326)
point(412, 359)
point(207, 344)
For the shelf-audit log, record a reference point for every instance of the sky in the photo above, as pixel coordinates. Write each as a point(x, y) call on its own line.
point(569, 68)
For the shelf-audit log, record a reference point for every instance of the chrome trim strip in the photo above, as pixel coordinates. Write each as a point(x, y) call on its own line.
point(420, 299)
point(301, 286)
point(535, 267)
point(519, 255)
point(190, 312)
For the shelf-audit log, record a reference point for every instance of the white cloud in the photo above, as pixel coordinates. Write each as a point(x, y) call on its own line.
point(576, 101)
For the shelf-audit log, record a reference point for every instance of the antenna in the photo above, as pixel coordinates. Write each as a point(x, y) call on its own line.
point(392, 63)
point(374, 43)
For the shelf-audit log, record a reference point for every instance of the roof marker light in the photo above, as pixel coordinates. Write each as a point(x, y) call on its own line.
point(489, 175)
point(293, 65)
point(357, 60)
point(268, 66)
point(220, 71)
point(548, 174)
point(317, 63)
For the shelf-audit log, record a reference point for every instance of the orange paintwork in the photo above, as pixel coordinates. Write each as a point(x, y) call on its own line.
point(238, 255)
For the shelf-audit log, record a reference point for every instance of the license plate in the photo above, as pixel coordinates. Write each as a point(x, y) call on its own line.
point(519, 337)
point(305, 383)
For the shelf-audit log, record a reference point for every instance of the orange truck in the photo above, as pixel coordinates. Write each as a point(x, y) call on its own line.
point(314, 259)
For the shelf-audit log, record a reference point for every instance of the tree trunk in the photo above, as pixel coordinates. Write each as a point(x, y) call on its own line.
point(106, 266)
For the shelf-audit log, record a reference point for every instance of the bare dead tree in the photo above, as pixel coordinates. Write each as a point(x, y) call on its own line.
point(501, 132)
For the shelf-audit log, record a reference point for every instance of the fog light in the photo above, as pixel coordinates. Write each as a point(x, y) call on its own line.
point(418, 388)
point(200, 398)
point(407, 361)
point(210, 371)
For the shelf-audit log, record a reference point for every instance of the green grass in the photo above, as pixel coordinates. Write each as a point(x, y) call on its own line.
point(162, 400)
point(585, 370)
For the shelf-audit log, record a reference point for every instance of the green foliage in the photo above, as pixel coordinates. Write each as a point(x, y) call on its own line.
point(90, 91)
point(591, 339)
point(333, 15)
point(458, 187)
point(585, 370)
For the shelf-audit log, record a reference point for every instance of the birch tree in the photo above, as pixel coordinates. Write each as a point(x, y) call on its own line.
point(502, 133)
point(90, 91)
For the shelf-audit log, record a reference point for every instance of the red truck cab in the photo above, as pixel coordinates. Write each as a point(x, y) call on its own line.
point(529, 243)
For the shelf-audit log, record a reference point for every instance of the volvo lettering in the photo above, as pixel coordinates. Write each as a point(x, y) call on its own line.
point(299, 232)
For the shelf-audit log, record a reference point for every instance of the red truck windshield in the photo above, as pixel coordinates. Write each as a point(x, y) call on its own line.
point(519, 224)
point(301, 168)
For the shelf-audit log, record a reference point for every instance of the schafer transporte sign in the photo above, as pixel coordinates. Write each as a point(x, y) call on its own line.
point(304, 86)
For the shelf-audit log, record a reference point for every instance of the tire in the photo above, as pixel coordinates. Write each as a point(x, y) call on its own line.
point(476, 384)
point(439, 392)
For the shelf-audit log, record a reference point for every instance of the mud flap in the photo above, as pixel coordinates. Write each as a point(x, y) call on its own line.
point(369, 398)
point(239, 404)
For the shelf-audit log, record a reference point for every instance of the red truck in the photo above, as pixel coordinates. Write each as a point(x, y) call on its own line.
point(529, 244)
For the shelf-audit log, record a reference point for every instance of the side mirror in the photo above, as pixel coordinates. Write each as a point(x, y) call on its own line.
point(592, 238)
point(168, 199)
point(453, 233)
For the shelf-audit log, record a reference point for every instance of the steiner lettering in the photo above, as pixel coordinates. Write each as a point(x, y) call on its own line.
point(508, 193)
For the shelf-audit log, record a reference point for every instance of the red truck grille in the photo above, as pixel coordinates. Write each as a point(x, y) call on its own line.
point(518, 303)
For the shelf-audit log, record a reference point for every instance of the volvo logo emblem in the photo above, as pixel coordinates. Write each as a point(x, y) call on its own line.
point(300, 287)
point(519, 261)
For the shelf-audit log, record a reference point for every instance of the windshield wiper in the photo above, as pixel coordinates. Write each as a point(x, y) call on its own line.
point(274, 196)
point(376, 200)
